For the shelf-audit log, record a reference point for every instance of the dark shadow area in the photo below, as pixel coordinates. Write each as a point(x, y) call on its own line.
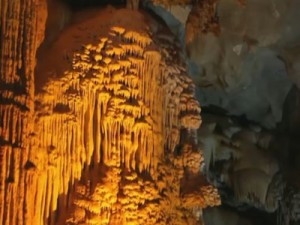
point(81, 4)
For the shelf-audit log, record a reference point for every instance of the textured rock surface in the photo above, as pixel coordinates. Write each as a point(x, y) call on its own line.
point(240, 52)
point(93, 142)
point(217, 216)
point(240, 158)
point(105, 131)
point(22, 26)
point(174, 15)
point(240, 64)
point(244, 57)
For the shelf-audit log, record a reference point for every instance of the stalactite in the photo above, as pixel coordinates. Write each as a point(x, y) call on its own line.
point(109, 110)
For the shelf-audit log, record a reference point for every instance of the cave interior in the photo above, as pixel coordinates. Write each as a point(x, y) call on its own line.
point(150, 112)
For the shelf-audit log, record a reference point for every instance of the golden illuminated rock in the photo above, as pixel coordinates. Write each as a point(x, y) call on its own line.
point(22, 28)
point(111, 103)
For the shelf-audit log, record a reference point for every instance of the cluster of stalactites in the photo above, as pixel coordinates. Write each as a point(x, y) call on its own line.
point(119, 106)
point(128, 198)
point(115, 94)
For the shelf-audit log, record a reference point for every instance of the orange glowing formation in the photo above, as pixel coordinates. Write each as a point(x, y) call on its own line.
point(112, 102)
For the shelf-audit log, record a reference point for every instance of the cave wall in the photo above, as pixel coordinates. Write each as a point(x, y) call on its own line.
point(243, 57)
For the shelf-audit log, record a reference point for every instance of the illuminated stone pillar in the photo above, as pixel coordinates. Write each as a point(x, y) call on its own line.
point(112, 99)
point(22, 26)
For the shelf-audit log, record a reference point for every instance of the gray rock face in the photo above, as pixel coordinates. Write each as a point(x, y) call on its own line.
point(257, 90)
point(217, 216)
point(239, 69)
point(174, 16)
point(249, 66)
point(239, 158)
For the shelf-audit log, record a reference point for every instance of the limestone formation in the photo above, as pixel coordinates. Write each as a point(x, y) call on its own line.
point(240, 158)
point(22, 29)
point(241, 55)
point(104, 131)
